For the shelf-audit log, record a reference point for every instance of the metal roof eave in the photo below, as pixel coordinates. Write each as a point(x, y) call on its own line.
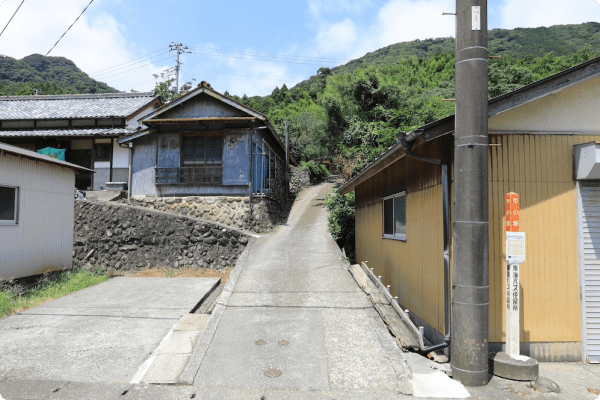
point(212, 93)
point(497, 105)
point(32, 155)
point(130, 138)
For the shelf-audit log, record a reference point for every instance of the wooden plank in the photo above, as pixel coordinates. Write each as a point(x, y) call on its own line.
point(396, 326)
point(366, 285)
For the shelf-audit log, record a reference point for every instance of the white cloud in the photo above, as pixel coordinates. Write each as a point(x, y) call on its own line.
point(95, 42)
point(397, 21)
point(535, 13)
point(319, 7)
point(337, 38)
point(239, 72)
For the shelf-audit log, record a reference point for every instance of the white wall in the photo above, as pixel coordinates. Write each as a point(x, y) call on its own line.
point(120, 156)
point(571, 110)
point(43, 238)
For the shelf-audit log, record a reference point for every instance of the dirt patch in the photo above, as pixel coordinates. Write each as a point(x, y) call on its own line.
point(178, 273)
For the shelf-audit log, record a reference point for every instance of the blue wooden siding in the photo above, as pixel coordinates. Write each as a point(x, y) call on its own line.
point(235, 159)
point(142, 166)
point(169, 149)
point(203, 106)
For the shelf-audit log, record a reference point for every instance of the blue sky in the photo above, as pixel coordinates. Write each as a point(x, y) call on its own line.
point(240, 46)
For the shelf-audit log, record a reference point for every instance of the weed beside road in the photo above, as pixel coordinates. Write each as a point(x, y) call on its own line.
point(22, 294)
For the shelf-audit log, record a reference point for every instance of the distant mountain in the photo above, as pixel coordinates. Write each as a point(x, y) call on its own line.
point(54, 75)
point(561, 40)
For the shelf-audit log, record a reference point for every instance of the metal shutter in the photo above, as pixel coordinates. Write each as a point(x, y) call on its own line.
point(589, 232)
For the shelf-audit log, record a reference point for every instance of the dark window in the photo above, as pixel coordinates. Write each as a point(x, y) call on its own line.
point(394, 216)
point(8, 205)
point(102, 152)
point(202, 150)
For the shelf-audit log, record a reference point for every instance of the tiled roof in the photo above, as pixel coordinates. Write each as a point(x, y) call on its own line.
point(69, 132)
point(120, 105)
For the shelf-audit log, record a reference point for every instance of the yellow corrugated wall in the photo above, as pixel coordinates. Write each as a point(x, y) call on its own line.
point(540, 169)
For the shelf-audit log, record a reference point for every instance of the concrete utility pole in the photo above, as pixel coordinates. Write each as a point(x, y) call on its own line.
point(180, 49)
point(470, 290)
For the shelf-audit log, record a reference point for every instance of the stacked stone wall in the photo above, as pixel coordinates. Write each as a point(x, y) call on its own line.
point(118, 237)
point(300, 179)
point(230, 211)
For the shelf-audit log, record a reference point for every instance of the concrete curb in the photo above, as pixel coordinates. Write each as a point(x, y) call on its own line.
point(191, 369)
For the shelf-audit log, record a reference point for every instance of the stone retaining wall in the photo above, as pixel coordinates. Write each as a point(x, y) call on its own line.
point(230, 211)
point(116, 237)
point(300, 179)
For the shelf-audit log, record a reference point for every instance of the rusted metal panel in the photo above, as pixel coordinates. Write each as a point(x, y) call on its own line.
point(42, 239)
point(235, 159)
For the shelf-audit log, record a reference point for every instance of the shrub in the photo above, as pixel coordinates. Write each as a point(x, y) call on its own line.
point(341, 220)
point(317, 171)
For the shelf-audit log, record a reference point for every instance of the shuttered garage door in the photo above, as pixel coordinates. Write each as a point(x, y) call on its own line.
point(590, 268)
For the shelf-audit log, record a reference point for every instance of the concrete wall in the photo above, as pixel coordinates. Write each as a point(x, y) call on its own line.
point(100, 178)
point(42, 240)
point(115, 237)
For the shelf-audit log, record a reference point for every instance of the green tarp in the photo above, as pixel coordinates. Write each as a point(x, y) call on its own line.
point(59, 154)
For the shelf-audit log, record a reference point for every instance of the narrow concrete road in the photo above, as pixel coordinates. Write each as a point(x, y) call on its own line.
point(297, 325)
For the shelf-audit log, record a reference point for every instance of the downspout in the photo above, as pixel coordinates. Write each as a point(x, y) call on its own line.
point(130, 171)
point(407, 141)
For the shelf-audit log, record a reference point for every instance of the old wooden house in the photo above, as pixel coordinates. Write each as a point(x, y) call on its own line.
point(206, 144)
point(85, 125)
point(544, 145)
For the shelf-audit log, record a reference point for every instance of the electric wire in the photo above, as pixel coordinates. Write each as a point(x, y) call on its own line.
point(11, 18)
point(133, 69)
point(132, 31)
point(46, 55)
point(246, 76)
point(110, 73)
point(257, 59)
point(271, 55)
point(127, 62)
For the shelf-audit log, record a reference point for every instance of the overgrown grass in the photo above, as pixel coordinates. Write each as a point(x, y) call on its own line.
point(22, 294)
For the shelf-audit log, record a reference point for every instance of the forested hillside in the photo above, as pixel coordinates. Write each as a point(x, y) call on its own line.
point(352, 112)
point(54, 75)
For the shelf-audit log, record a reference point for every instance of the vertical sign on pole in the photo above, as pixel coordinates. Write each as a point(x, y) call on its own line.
point(515, 256)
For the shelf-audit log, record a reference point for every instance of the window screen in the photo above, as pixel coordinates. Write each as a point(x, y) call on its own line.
point(394, 216)
point(388, 217)
point(202, 150)
point(102, 152)
point(8, 205)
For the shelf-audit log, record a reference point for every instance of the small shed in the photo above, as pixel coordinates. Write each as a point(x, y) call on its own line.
point(542, 145)
point(37, 195)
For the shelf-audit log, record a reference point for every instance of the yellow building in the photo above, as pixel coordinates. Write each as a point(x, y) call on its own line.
point(543, 147)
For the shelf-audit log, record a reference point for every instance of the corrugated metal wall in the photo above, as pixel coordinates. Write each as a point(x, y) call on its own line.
point(413, 269)
point(43, 238)
point(540, 169)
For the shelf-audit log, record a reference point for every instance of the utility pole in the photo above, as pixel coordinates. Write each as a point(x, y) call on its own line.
point(470, 282)
point(180, 49)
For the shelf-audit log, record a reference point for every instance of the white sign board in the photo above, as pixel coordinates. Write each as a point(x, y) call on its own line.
point(476, 18)
point(515, 248)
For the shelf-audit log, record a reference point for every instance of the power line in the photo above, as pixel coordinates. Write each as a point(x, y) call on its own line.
point(133, 69)
point(127, 62)
point(258, 59)
point(11, 18)
point(114, 69)
point(284, 56)
point(46, 55)
point(247, 76)
point(132, 31)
